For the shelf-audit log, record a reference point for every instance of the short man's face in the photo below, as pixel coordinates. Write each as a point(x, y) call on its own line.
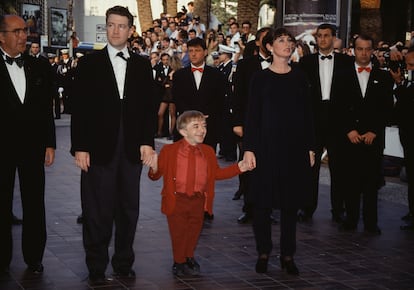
point(197, 55)
point(13, 39)
point(363, 51)
point(34, 48)
point(195, 131)
point(118, 30)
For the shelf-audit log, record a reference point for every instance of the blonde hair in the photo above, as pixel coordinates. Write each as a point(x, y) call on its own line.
point(187, 116)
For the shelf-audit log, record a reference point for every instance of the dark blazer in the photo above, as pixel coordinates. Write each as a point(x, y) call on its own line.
point(343, 67)
point(246, 67)
point(27, 128)
point(95, 122)
point(208, 99)
point(372, 112)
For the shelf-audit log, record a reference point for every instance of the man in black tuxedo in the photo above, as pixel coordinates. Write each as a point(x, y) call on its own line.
point(326, 71)
point(28, 141)
point(202, 88)
point(112, 130)
point(363, 114)
point(246, 67)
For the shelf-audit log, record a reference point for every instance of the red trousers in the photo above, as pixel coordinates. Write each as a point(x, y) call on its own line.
point(185, 224)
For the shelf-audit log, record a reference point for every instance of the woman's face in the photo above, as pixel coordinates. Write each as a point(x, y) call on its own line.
point(299, 50)
point(282, 46)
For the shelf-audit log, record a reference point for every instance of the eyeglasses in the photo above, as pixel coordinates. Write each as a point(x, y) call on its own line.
point(18, 31)
point(119, 26)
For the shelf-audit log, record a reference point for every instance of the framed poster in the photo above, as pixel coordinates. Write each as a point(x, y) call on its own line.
point(302, 17)
point(32, 15)
point(58, 27)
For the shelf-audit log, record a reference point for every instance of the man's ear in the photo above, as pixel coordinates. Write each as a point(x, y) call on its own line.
point(183, 132)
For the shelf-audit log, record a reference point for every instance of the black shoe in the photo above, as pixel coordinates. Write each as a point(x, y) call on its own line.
point(237, 195)
point(178, 269)
point(244, 218)
point(97, 279)
point(408, 217)
point(124, 274)
point(36, 268)
point(193, 267)
point(208, 216)
point(261, 264)
point(79, 219)
point(375, 230)
point(16, 220)
point(289, 265)
point(408, 227)
point(338, 218)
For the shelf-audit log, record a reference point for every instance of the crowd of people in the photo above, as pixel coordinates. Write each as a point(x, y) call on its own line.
point(268, 100)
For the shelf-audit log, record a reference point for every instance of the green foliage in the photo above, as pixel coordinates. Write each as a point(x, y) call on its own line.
point(8, 6)
point(224, 9)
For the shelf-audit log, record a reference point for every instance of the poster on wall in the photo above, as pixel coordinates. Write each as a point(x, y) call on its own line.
point(302, 17)
point(32, 15)
point(58, 27)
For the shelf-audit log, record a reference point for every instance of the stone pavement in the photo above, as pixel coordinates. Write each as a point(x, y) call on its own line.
point(327, 258)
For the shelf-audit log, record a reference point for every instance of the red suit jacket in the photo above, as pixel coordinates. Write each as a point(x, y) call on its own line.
point(167, 167)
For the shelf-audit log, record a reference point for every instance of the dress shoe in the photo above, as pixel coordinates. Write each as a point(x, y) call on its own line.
point(408, 227)
point(36, 268)
point(289, 265)
point(16, 220)
point(408, 217)
point(375, 230)
point(338, 218)
point(79, 219)
point(303, 217)
point(97, 279)
point(193, 267)
point(208, 217)
point(124, 274)
point(179, 270)
point(261, 264)
point(244, 218)
point(237, 195)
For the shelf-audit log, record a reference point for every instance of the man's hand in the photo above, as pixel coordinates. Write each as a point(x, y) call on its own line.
point(368, 138)
point(147, 154)
point(82, 160)
point(49, 156)
point(249, 159)
point(238, 130)
point(312, 158)
point(354, 137)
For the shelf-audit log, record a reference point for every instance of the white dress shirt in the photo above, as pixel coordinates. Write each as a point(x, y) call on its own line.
point(119, 66)
point(197, 75)
point(363, 78)
point(325, 75)
point(17, 76)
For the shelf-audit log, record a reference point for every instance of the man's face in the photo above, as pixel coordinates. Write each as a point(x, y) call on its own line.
point(165, 60)
point(409, 61)
point(13, 39)
point(197, 55)
point(117, 30)
point(34, 48)
point(363, 51)
point(233, 29)
point(246, 28)
point(325, 40)
point(195, 131)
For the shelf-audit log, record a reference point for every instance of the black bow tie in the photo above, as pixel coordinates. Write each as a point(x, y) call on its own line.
point(265, 59)
point(323, 57)
point(121, 55)
point(19, 60)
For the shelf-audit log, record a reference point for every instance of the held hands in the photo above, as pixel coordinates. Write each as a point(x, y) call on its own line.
point(248, 162)
point(367, 138)
point(147, 154)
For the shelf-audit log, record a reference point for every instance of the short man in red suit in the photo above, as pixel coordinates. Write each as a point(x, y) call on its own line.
point(190, 169)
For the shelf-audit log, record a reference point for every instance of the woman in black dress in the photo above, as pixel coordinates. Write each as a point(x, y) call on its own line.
point(279, 142)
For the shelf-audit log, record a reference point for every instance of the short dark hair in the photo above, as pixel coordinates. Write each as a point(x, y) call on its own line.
point(331, 27)
point(197, 42)
point(273, 34)
point(122, 11)
point(364, 37)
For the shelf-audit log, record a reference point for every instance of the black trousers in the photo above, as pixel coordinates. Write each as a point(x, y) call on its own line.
point(262, 228)
point(32, 187)
point(110, 195)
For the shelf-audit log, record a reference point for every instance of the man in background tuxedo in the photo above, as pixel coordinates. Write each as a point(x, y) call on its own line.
point(363, 114)
point(28, 142)
point(326, 71)
point(112, 130)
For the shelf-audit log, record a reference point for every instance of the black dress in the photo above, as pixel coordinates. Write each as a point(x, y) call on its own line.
point(279, 130)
